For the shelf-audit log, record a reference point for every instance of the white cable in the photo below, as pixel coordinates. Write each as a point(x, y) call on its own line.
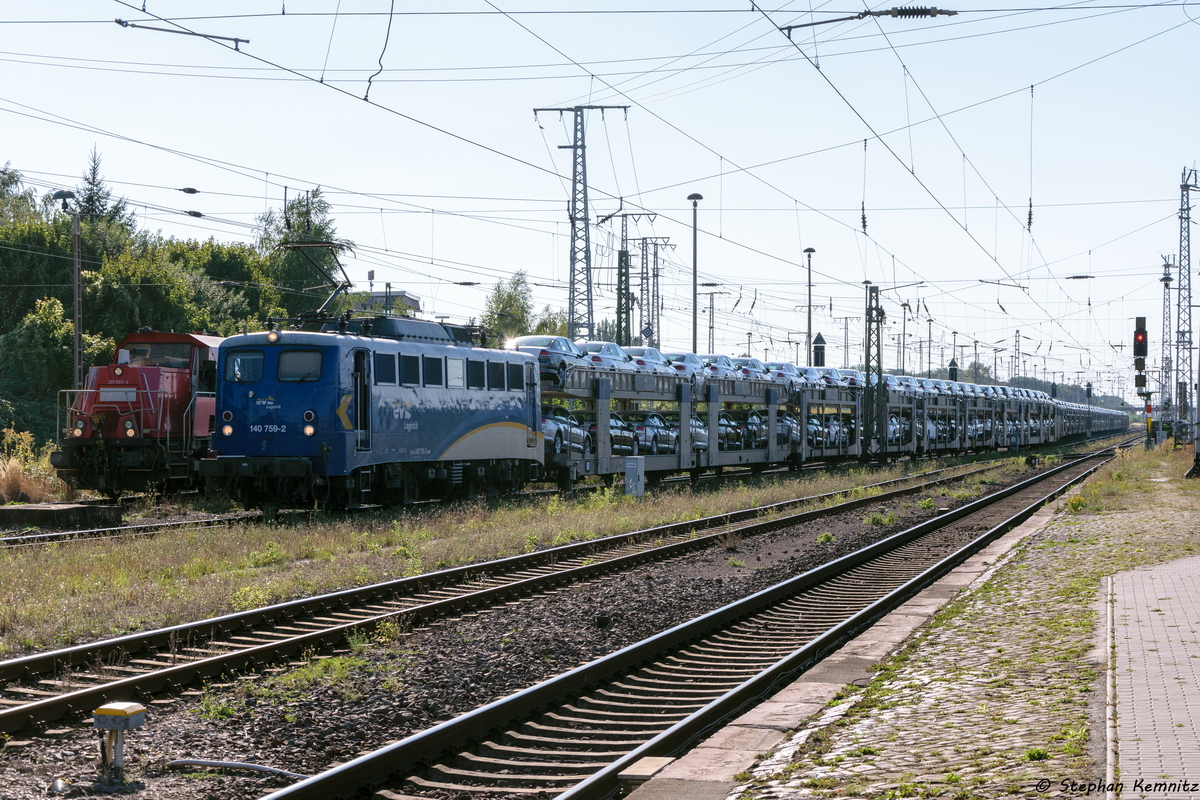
point(195, 762)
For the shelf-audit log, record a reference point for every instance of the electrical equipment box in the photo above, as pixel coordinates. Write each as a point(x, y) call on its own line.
point(635, 475)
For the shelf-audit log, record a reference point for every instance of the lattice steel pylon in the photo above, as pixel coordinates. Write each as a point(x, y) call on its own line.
point(580, 308)
point(625, 298)
point(648, 292)
point(1170, 409)
point(1185, 379)
point(874, 429)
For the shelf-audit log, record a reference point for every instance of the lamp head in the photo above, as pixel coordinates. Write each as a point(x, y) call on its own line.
point(64, 195)
point(810, 250)
point(695, 196)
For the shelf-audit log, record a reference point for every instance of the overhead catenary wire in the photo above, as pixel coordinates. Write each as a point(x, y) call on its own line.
point(376, 211)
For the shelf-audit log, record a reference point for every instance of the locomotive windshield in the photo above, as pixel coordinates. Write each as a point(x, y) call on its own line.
point(160, 354)
point(244, 366)
point(298, 366)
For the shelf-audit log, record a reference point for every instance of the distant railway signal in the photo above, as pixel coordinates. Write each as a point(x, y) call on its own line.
point(1139, 338)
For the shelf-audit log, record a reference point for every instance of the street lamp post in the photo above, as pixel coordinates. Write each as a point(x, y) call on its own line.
point(695, 197)
point(65, 195)
point(929, 350)
point(808, 251)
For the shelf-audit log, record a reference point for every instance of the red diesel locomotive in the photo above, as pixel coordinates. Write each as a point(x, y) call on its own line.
point(141, 422)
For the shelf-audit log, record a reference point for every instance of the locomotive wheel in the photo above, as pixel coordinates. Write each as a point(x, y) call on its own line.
point(113, 488)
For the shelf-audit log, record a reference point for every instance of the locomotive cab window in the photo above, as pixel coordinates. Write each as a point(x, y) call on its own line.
point(161, 354)
point(516, 377)
point(385, 368)
point(495, 375)
point(455, 373)
point(244, 366)
point(299, 366)
point(475, 374)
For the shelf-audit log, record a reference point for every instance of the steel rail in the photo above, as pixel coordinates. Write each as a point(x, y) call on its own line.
point(178, 671)
point(48, 537)
point(428, 747)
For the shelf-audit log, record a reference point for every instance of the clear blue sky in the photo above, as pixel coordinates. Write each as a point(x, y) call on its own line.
point(444, 174)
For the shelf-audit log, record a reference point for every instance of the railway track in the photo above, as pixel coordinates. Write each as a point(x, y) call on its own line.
point(572, 735)
point(19, 540)
point(147, 529)
point(47, 686)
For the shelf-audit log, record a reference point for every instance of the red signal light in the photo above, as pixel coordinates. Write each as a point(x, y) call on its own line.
point(1139, 338)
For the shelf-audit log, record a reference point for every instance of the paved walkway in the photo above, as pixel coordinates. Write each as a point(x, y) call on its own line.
point(1006, 695)
point(1156, 613)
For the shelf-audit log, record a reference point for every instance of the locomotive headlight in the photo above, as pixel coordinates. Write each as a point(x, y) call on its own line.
point(227, 430)
point(130, 432)
point(77, 432)
point(273, 336)
point(309, 430)
point(79, 423)
point(227, 416)
point(119, 371)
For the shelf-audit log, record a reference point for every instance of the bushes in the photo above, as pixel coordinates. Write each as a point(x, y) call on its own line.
point(25, 472)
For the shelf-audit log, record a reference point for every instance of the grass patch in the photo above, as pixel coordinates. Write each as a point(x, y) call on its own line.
point(58, 596)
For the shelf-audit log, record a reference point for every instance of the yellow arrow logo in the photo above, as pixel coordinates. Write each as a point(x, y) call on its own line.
point(341, 412)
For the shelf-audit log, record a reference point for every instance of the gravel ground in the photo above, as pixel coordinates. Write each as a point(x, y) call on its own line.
point(1004, 690)
point(368, 696)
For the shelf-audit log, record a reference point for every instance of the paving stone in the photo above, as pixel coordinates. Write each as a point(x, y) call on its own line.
point(961, 708)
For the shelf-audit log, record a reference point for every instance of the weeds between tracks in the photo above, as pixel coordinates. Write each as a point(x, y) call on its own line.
point(66, 594)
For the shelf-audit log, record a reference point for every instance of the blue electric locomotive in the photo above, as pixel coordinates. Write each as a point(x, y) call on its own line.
point(372, 411)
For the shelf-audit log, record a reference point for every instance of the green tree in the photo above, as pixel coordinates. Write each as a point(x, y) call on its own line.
point(551, 322)
point(45, 338)
point(299, 244)
point(17, 203)
point(96, 202)
point(606, 331)
point(239, 269)
point(145, 287)
point(36, 262)
point(508, 310)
